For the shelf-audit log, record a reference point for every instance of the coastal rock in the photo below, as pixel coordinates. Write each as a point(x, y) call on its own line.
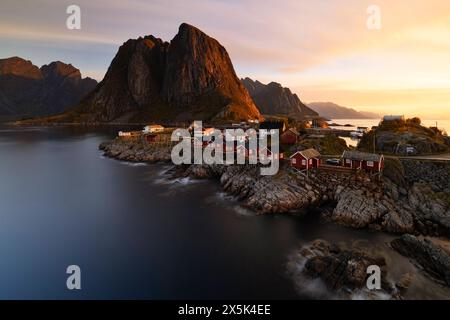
point(398, 222)
point(341, 272)
point(359, 200)
point(136, 151)
point(430, 257)
point(357, 210)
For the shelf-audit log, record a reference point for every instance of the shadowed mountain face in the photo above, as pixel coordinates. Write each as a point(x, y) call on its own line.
point(333, 111)
point(273, 99)
point(26, 90)
point(190, 78)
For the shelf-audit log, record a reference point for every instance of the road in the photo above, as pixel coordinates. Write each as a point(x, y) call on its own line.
point(436, 157)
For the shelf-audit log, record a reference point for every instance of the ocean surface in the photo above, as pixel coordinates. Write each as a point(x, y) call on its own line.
point(136, 235)
point(442, 124)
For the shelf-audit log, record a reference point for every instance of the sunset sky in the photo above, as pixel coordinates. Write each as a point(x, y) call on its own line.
point(322, 50)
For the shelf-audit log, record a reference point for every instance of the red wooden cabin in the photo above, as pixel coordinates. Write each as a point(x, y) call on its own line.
point(306, 159)
point(363, 161)
point(290, 136)
point(150, 138)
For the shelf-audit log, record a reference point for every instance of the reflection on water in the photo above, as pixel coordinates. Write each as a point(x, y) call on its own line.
point(137, 235)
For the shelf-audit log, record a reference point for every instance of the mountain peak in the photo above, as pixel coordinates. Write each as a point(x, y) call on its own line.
point(190, 78)
point(27, 90)
point(274, 99)
point(58, 68)
point(332, 110)
point(16, 66)
point(186, 27)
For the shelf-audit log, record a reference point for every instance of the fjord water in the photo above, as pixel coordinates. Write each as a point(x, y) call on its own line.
point(136, 235)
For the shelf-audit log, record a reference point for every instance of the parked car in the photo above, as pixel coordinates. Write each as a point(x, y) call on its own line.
point(333, 162)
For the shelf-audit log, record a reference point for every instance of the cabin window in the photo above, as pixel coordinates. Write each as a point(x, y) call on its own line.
point(304, 162)
point(348, 161)
point(370, 163)
point(294, 161)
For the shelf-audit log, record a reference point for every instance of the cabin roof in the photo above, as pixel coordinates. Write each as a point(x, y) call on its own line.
point(361, 156)
point(393, 117)
point(269, 125)
point(308, 153)
point(293, 130)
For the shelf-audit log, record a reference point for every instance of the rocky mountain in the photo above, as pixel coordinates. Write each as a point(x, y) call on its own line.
point(333, 111)
point(26, 90)
point(273, 99)
point(190, 78)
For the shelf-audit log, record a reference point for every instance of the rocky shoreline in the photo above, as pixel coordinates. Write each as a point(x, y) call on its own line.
point(412, 198)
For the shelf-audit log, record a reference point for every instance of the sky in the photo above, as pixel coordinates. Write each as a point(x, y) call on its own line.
point(322, 50)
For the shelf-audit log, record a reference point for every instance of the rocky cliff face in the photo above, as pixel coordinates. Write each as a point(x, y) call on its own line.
point(190, 78)
point(273, 99)
point(26, 90)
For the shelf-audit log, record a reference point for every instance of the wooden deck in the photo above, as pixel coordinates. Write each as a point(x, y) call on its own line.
point(342, 169)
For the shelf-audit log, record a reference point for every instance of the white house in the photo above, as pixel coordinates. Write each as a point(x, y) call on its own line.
point(362, 129)
point(394, 118)
point(153, 128)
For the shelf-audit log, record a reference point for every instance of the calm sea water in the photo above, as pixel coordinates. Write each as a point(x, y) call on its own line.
point(136, 235)
point(442, 124)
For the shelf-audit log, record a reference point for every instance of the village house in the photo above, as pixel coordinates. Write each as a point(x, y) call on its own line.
point(363, 161)
point(150, 138)
point(392, 118)
point(306, 159)
point(129, 134)
point(266, 153)
point(153, 128)
point(270, 125)
point(207, 132)
point(290, 136)
point(199, 142)
point(242, 150)
point(362, 129)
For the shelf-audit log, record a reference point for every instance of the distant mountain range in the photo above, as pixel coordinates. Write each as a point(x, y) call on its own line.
point(274, 99)
point(190, 78)
point(333, 111)
point(27, 90)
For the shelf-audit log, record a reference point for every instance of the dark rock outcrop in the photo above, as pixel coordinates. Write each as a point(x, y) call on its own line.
point(405, 138)
point(359, 200)
point(136, 151)
point(26, 90)
point(430, 257)
point(273, 99)
point(343, 272)
point(190, 78)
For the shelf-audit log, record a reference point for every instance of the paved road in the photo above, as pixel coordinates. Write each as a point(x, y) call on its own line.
point(437, 157)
